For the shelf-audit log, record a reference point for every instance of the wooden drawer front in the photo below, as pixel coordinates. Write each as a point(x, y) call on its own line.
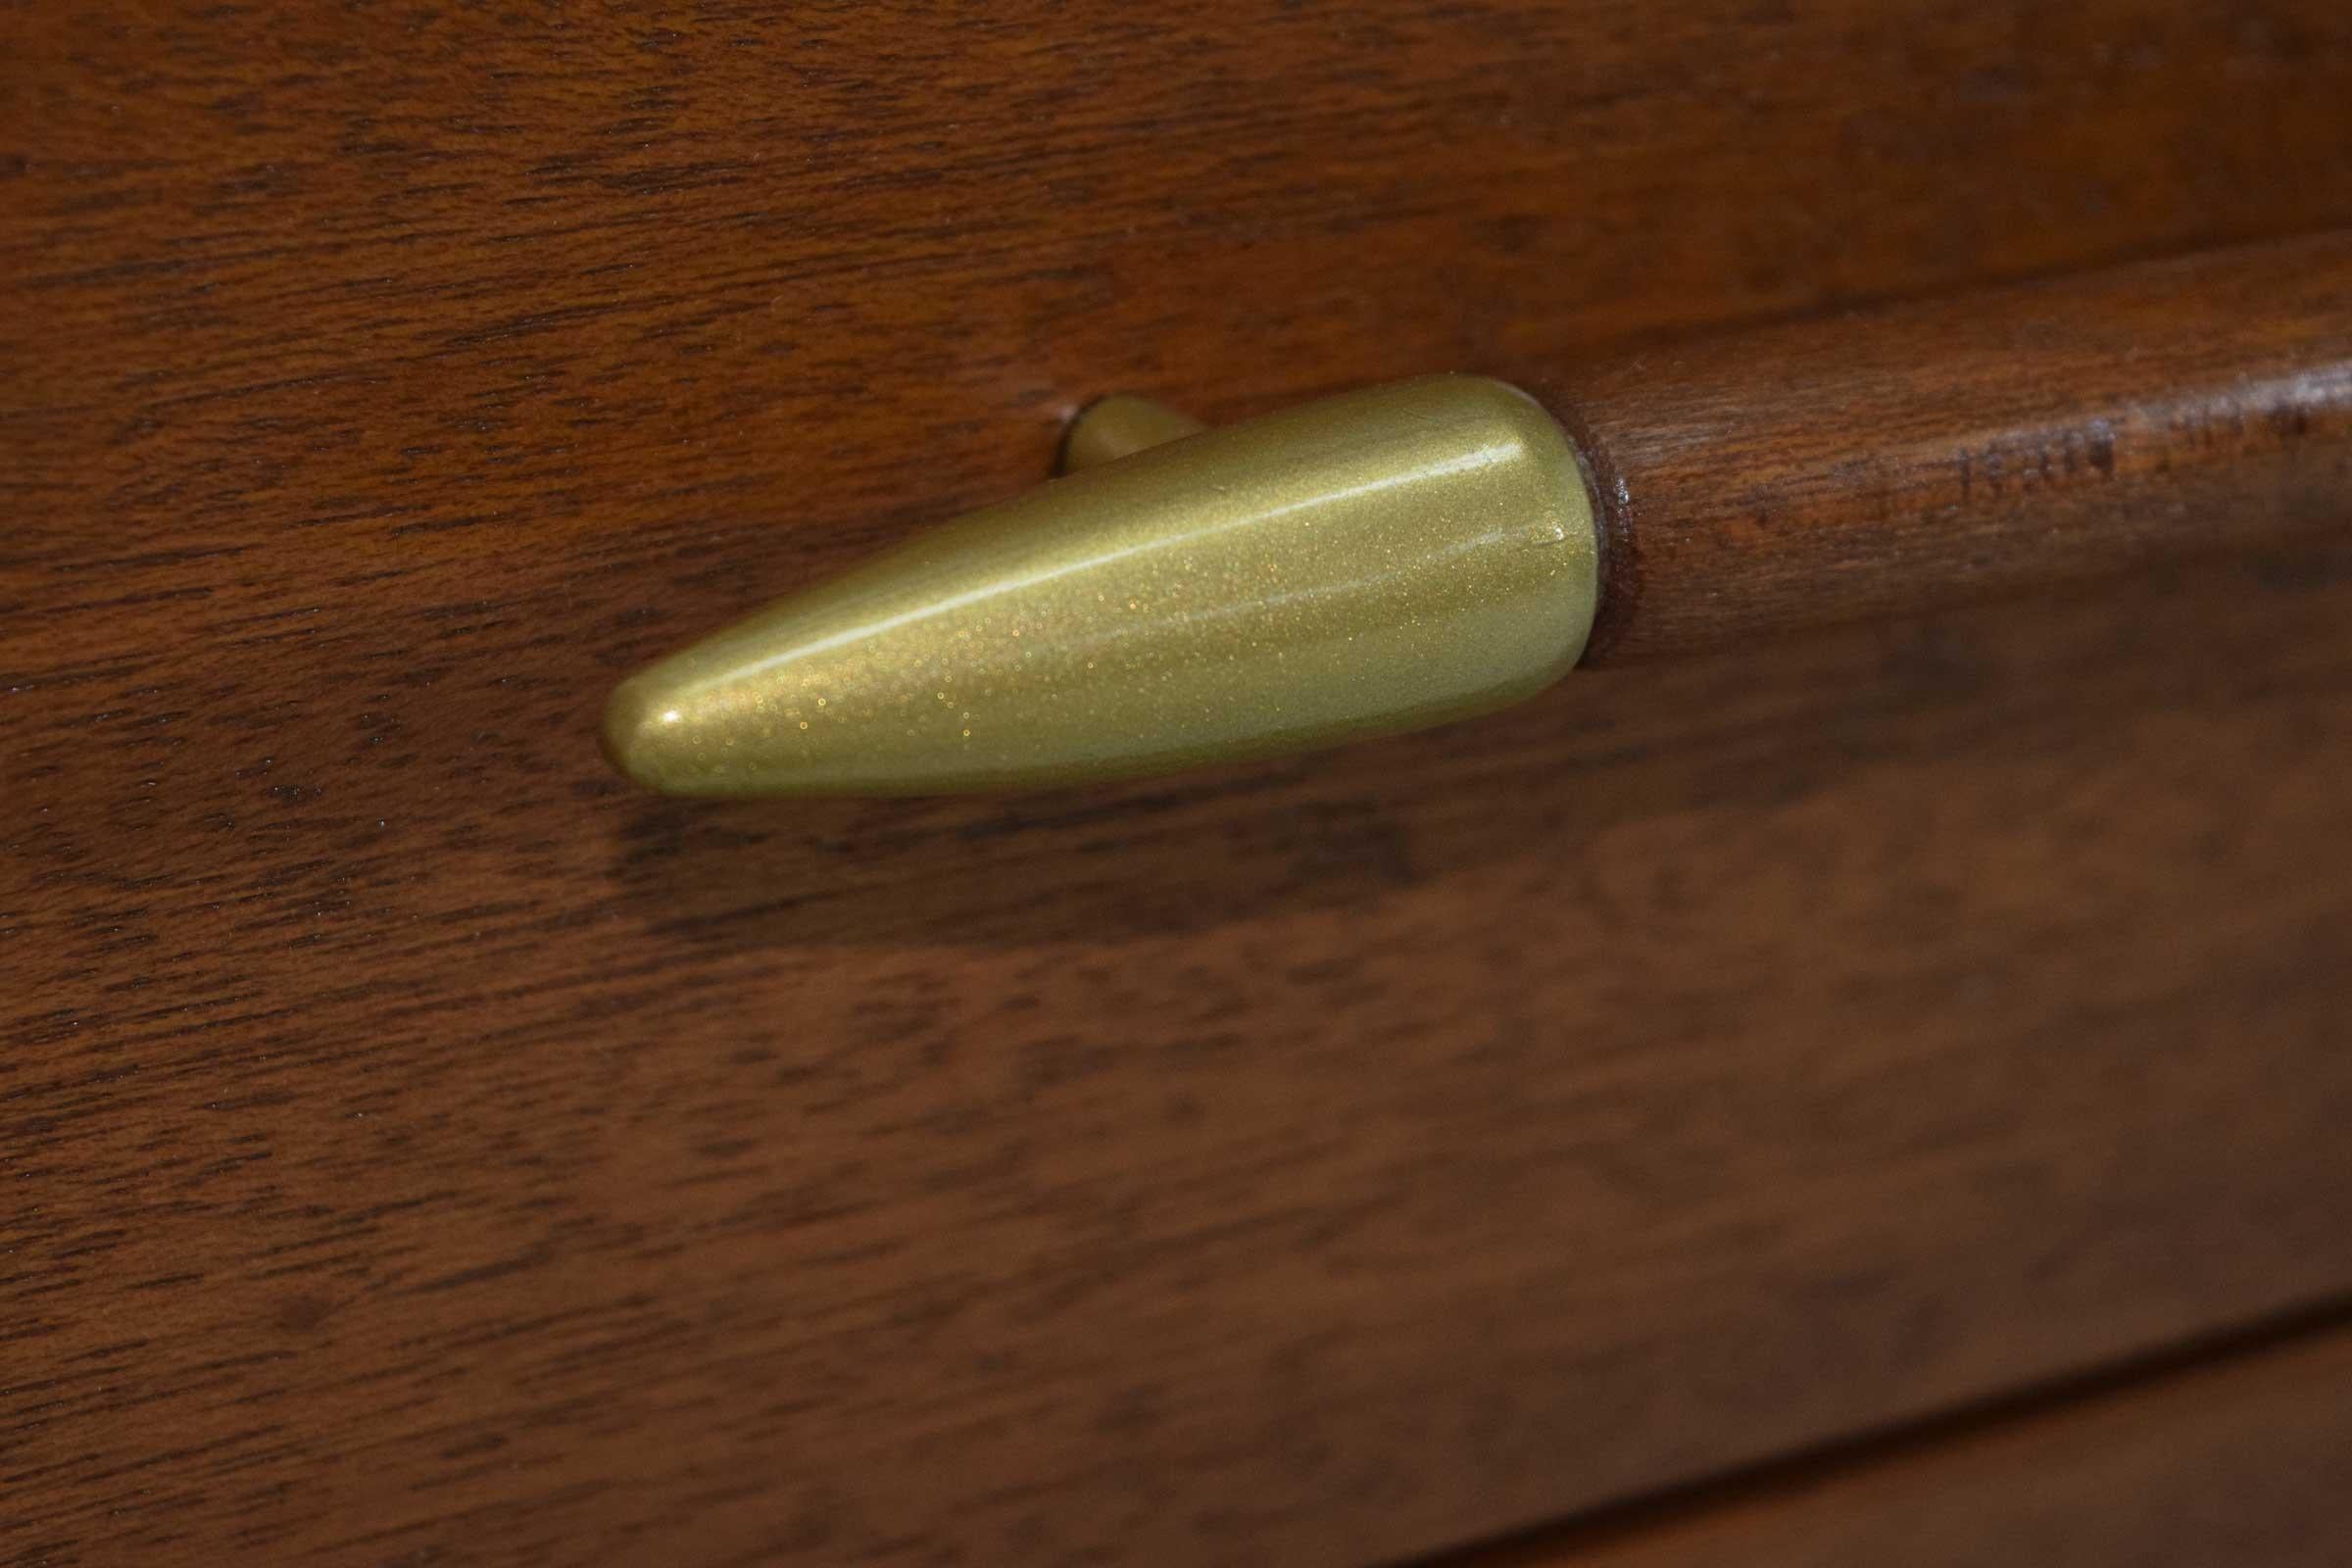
point(414, 1146)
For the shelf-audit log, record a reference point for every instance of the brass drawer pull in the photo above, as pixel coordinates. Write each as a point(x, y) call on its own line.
point(1370, 562)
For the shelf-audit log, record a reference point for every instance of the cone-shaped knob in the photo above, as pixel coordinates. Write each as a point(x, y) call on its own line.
point(1372, 563)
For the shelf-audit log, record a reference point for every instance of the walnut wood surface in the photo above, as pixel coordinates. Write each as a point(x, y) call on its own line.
point(2247, 1463)
point(416, 1147)
point(1889, 462)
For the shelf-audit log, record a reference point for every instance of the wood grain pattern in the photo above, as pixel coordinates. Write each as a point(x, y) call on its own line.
point(1240, 1166)
point(2247, 1463)
point(1885, 463)
point(414, 1148)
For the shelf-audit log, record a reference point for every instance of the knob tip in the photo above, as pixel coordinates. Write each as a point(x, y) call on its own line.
point(632, 736)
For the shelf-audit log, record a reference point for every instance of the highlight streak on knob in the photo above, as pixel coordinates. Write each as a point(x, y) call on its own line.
point(1372, 563)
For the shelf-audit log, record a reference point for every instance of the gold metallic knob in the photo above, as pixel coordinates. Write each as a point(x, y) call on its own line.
point(1372, 563)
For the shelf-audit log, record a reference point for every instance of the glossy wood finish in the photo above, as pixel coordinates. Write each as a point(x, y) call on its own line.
point(1325, 1161)
point(2247, 1463)
point(414, 1146)
point(1885, 463)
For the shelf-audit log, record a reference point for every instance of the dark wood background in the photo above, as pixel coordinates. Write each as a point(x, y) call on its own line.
point(416, 1147)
